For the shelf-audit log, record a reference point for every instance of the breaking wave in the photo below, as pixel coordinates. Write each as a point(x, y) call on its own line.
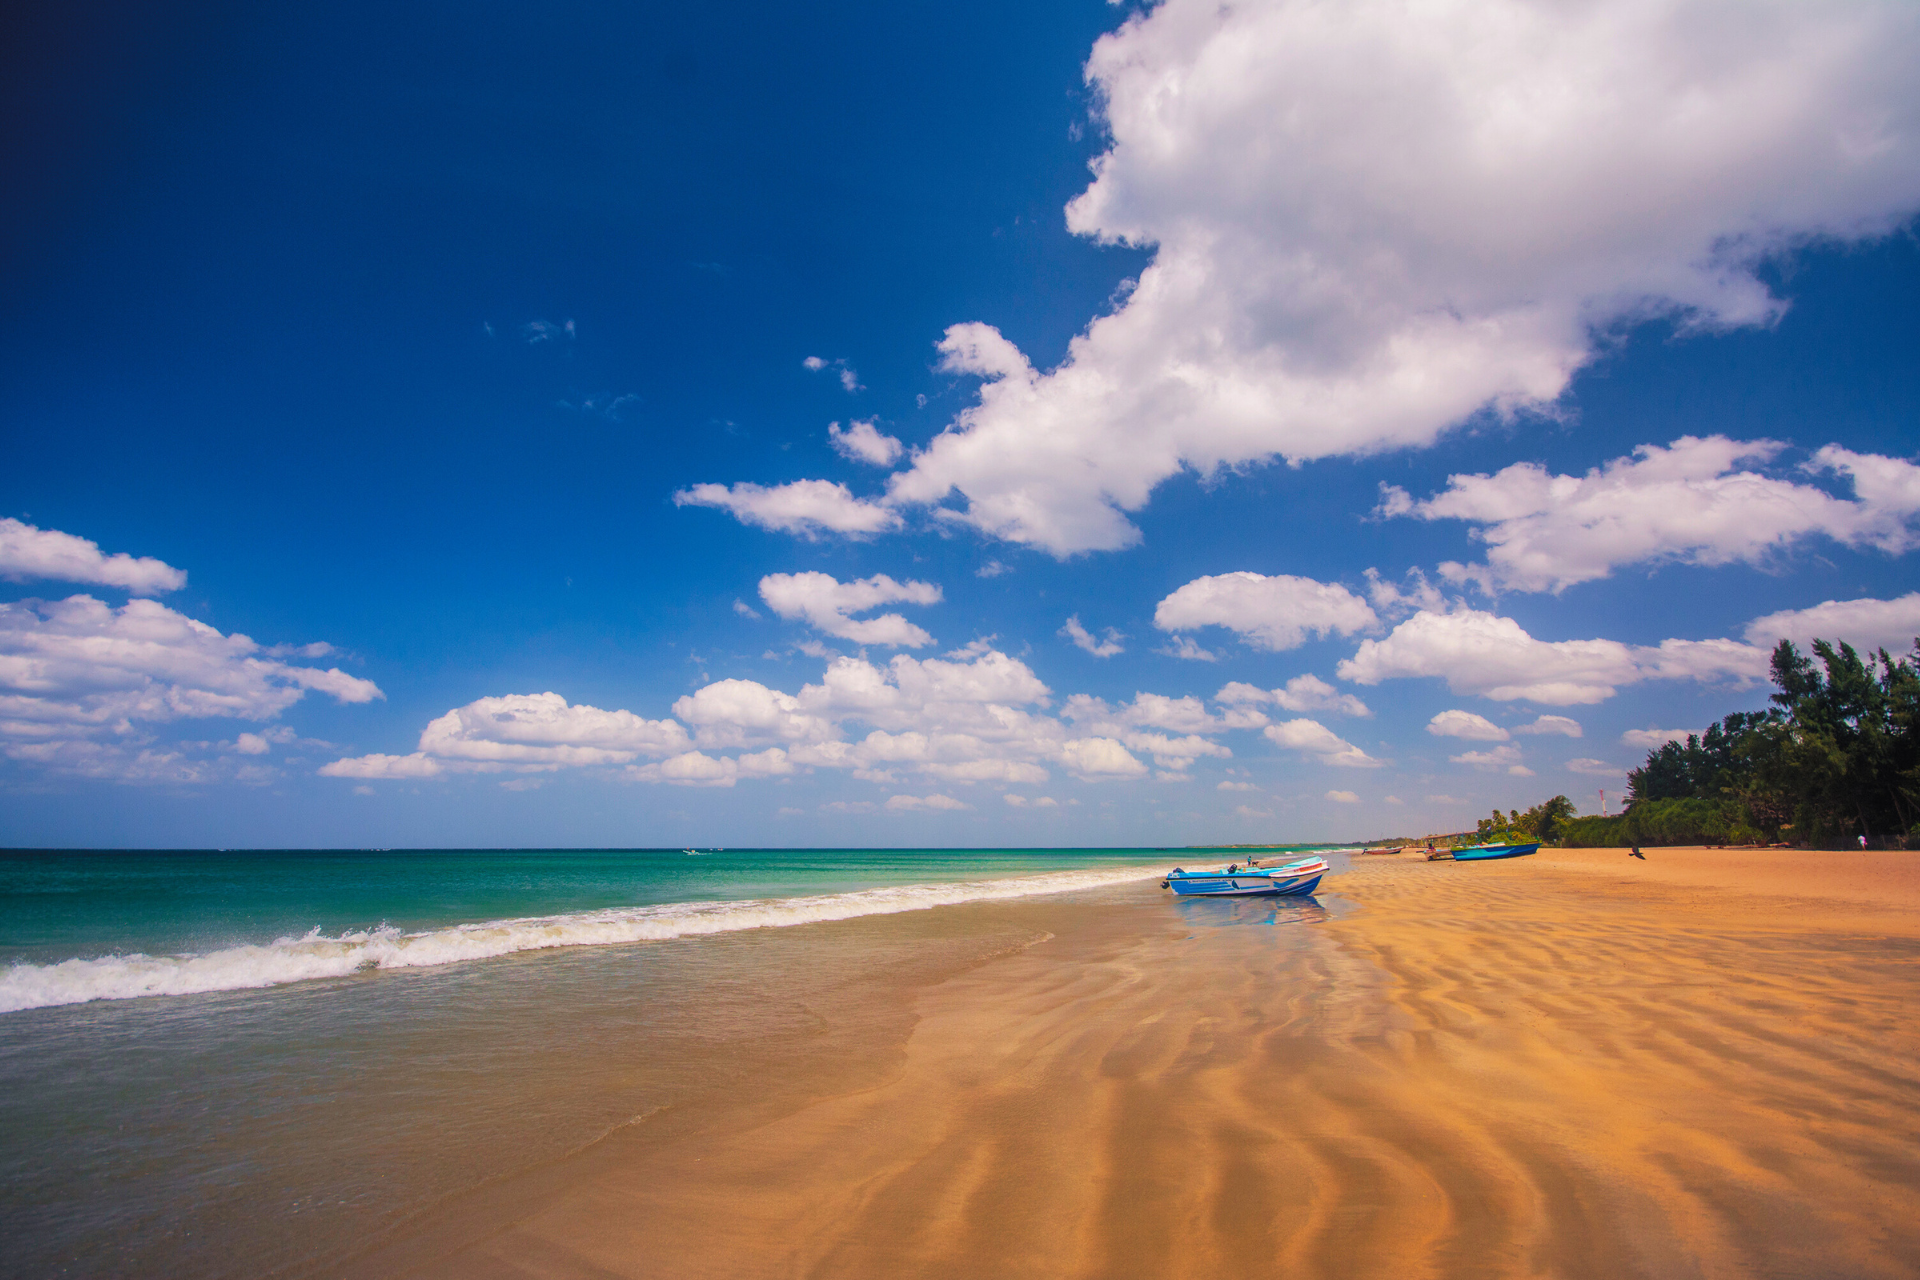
point(315, 955)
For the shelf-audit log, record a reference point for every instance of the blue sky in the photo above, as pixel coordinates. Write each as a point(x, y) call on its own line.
point(509, 353)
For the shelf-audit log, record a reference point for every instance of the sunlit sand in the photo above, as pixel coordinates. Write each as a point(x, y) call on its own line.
point(1574, 1064)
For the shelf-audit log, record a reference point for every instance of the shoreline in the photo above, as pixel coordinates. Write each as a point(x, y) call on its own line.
point(1549, 1065)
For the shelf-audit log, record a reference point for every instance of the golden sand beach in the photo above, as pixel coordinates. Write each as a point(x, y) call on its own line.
point(1575, 1064)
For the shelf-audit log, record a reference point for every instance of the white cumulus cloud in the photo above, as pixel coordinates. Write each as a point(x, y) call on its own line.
point(1562, 726)
point(1310, 693)
point(933, 803)
point(1343, 797)
point(521, 732)
point(1465, 724)
point(1132, 724)
point(1301, 694)
point(28, 553)
point(862, 442)
point(1595, 768)
point(1505, 757)
point(1480, 653)
point(1310, 737)
point(80, 680)
point(1651, 739)
point(1865, 624)
point(1696, 501)
point(1372, 220)
point(975, 716)
point(697, 769)
point(1279, 612)
point(824, 603)
point(541, 728)
point(809, 508)
point(1099, 758)
point(416, 765)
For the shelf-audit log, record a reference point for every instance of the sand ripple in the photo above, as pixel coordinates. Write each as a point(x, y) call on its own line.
point(1502, 1070)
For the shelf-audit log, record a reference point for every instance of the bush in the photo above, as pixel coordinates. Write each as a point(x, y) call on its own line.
point(1663, 822)
point(1593, 833)
point(1658, 822)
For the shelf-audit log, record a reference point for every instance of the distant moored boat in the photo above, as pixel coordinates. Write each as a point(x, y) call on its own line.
point(1484, 852)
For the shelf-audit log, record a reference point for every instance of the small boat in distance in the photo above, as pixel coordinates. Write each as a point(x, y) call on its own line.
point(1299, 877)
point(1485, 852)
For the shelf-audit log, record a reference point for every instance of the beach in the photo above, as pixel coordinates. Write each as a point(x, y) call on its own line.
point(1573, 1064)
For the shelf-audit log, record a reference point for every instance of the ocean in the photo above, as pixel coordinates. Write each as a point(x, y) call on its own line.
point(251, 1063)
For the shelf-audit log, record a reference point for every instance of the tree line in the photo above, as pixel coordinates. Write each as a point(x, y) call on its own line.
point(1833, 763)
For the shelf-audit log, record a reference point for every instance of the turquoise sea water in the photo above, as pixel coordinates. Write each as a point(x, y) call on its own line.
point(79, 926)
point(58, 904)
point(239, 1063)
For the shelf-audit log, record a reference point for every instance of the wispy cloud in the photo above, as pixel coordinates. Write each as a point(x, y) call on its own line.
point(547, 331)
point(849, 379)
point(1085, 639)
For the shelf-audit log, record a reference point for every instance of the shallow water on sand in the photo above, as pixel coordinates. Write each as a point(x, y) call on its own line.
point(266, 1129)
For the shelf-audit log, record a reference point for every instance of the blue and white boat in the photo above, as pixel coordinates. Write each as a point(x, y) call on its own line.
point(1299, 877)
point(1484, 852)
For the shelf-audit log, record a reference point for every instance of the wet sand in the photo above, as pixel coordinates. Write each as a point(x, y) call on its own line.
point(1575, 1064)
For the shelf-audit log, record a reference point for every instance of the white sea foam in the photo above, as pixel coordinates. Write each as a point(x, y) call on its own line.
point(125, 977)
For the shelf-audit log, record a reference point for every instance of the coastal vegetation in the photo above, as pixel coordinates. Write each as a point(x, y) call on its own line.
point(1834, 761)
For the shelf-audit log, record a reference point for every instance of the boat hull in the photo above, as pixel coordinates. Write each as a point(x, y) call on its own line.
point(1290, 881)
point(1486, 853)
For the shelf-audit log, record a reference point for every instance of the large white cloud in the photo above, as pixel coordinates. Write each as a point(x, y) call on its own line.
point(806, 507)
point(1374, 219)
point(1697, 501)
point(1653, 739)
point(378, 765)
point(824, 603)
point(27, 553)
point(1302, 693)
point(1506, 756)
point(1465, 724)
point(1132, 725)
point(698, 769)
point(1311, 693)
point(973, 716)
point(976, 715)
point(540, 728)
point(921, 804)
point(1310, 737)
point(1481, 653)
point(1559, 726)
point(1865, 624)
point(80, 680)
point(741, 713)
point(1279, 612)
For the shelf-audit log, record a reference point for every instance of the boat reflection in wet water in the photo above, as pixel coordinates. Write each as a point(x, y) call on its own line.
point(1216, 913)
